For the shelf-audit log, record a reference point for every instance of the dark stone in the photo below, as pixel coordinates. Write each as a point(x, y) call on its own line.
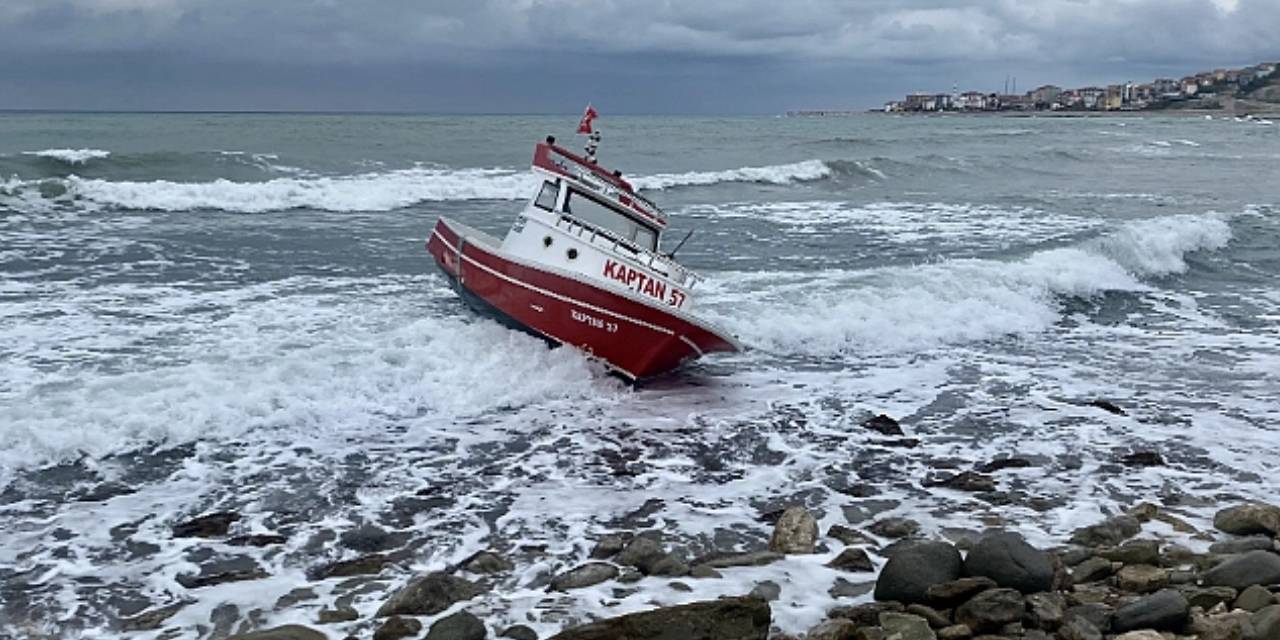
point(1208, 597)
point(1247, 519)
point(991, 610)
point(744, 618)
point(256, 540)
point(842, 588)
point(906, 626)
point(1242, 545)
point(852, 559)
point(428, 595)
point(1255, 598)
point(884, 425)
point(607, 547)
point(970, 481)
point(838, 629)
point(642, 553)
point(767, 589)
point(337, 614)
point(368, 538)
point(214, 575)
point(1000, 464)
point(702, 571)
point(1007, 558)
point(1266, 623)
point(519, 632)
point(363, 566)
point(586, 575)
point(1143, 459)
point(396, 627)
point(895, 528)
point(487, 562)
point(935, 618)
point(848, 535)
point(1162, 610)
point(910, 572)
point(1079, 629)
point(956, 591)
point(1134, 552)
point(151, 620)
point(1098, 615)
point(287, 632)
point(1109, 532)
point(1090, 570)
point(1108, 406)
point(207, 526)
point(1246, 569)
point(459, 626)
point(726, 560)
point(103, 492)
point(864, 615)
point(1045, 611)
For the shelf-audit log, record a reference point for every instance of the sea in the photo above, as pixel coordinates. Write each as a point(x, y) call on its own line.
point(205, 313)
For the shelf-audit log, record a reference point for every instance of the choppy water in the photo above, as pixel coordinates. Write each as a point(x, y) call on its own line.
point(235, 312)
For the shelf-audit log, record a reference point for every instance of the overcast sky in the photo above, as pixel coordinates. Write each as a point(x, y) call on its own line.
point(627, 56)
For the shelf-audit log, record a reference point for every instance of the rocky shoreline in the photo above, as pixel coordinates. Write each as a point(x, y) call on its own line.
point(1118, 579)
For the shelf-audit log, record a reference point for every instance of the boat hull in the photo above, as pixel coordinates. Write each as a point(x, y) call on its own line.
point(637, 339)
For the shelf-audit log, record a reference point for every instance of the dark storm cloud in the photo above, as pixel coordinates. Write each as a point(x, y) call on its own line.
point(535, 55)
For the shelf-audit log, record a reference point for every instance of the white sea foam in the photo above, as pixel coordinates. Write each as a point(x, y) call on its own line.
point(70, 156)
point(904, 309)
point(778, 174)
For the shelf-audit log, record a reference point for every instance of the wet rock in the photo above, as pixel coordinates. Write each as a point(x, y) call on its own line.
point(369, 538)
point(894, 527)
point(396, 627)
point(1208, 597)
point(221, 572)
point(956, 591)
point(642, 552)
point(1109, 532)
point(257, 540)
point(586, 575)
point(1079, 629)
point(911, 571)
point(744, 618)
point(854, 560)
point(905, 626)
point(1073, 555)
point(103, 491)
point(955, 632)
point(152, 619)
point(1143, 459)
point(883, 425)
point(842, 588)
point(848, 535)
point(970, 481)
point(702, 571)
point(1163, 610)
point(1233, 625)
point(1141, 634)
point(486, 562)
point(1242, 545)
point(1098, 615)
point(669, 565)
point(519, 632)
point(287, 632)
point(1090, 570)
point(1142, 578)
point(337, 614)
point(428, 595)
point(795, 532)
point(1255, 598)
point(366, 565)
point(1247, 519)
point(630, 575)
point(607, 547)
point(991, 609)
point(1045, 611)
point(676, 585)
point(935, 618)
point(1244, 570)
point(1266, 623)
point(767, 589)
point(1134, 552)
point(301, 594)
point(459, 626)
point(864, 615)
point(999, 464)
point(211, 525)
point(726, 560)
point(1006, 558)
point(837, 629)
point(1108, 406)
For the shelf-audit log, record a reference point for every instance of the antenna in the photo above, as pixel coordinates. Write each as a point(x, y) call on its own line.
point(686, 239)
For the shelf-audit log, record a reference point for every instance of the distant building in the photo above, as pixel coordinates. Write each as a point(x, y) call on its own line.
point(971, 101)
point(1045, 95)
point(1190, 86)
point(1092, 97)
point(1114, 97)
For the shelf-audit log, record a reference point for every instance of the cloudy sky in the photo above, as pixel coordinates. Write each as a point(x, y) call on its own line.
point(627, 56)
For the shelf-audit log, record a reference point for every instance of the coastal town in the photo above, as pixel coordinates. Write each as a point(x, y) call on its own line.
point(1217, 89)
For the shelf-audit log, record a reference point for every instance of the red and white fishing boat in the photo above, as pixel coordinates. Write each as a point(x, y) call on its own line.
point(581, 267)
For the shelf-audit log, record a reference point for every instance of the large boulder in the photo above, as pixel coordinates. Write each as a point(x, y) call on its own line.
point(1134, 552)
point(991, 610)
point(1266, 623)
point(1246, 569)
point(428, 595)
point(909, 573)
point(725, 619)
point(459, 626)
point(1109, 532)
point(591, 573)
point(1142, 578)
point(1249, 518)
point(795, 532)
point(287, 632)
point(1162, 610)
point(1007, 558)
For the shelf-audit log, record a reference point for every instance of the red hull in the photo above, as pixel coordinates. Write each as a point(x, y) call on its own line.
point(638, 339)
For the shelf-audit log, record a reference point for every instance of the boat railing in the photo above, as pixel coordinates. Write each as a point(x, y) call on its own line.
point(611, 185)
point(628, 250)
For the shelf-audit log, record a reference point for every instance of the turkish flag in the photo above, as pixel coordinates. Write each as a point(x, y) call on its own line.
point(584, 126)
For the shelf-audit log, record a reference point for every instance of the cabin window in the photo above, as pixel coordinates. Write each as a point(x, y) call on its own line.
point(593, 212)
point(547, 197)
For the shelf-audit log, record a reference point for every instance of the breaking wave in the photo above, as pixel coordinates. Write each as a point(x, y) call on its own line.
point(70, 156)
point(904, 309)
point(375, 191)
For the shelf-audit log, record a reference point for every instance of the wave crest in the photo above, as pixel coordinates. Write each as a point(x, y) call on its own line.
point(70, 156)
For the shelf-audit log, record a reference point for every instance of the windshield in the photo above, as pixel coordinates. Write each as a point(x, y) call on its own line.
point(591, 211)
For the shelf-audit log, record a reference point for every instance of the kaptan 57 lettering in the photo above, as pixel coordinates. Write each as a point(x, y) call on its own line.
point(637, 281)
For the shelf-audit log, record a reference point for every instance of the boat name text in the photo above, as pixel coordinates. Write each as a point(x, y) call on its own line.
point(640, 283)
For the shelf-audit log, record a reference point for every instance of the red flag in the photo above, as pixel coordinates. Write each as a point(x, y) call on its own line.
point(584, 126)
